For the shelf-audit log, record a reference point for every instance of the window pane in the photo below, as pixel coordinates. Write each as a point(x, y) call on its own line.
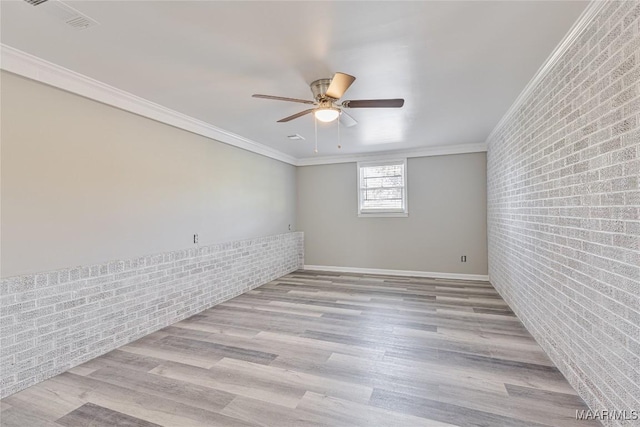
point(387, 170)
point(382, 193)
point(387, 181)
point(382, 187)
point(382, 204)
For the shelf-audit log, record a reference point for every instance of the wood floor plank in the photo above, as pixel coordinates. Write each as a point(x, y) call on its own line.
point(566, 399)
point(412, 379)
point(483, 368)
point(232, 382)
point(154, 409)
point(302, 380)
point(217, 329)
point(154, 385)
point(529, 410)
point(260, 413)
point(16, 417)
point(318, 310)
point(151, 349)
point(206, 348)
point(443, 412)
point(259, 343)
point(319, 345)
point(97, 416)
point(49, 407)
point(481, 335)
point(320, 349)
point(272, 308)
point(82, 370)
point(119, 358)
point(336, 294)
point(335, 411)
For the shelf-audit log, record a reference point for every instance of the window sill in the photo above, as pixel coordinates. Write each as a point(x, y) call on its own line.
point(383, 215)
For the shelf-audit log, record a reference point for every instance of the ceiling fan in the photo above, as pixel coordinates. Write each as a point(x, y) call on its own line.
point(326, 93)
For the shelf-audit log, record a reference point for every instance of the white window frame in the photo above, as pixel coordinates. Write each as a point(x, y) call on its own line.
point(380, 213)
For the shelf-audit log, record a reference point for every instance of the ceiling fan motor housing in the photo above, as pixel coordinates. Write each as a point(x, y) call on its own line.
point(319, 88)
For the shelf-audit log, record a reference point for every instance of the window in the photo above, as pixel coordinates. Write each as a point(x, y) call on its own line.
point(382, 188)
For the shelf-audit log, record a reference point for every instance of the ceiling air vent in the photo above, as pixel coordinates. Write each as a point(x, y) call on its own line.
point(296, 137)
point(70, 16)
point(61, 12)
point(80, 22)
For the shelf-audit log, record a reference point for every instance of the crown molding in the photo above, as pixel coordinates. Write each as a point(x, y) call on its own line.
point(32, 67)
point(24, 64)
point(422, 152)
point(590, 12)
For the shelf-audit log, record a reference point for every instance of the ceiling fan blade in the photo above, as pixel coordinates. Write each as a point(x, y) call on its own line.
point(295, 116)
point(374, 103)
point(347, 120)
point(339, 85)
point(281, 98)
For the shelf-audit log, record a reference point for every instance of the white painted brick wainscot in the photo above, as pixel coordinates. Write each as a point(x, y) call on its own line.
point(53, 321)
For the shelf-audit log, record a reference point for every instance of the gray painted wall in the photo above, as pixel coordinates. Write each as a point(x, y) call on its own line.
point(447, 218)
point(85, 183)
point(564, 211)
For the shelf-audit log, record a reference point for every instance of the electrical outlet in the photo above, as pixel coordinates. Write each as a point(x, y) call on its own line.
point(289, 227)
point(463, 258)
point(195, 238)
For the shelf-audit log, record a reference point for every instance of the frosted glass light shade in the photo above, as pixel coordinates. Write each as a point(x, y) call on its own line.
point(327, 114)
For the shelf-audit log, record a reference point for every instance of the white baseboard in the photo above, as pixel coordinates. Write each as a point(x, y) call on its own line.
point(431, 274)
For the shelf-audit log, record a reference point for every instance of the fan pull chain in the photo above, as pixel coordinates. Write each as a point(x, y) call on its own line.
point(315, 125)
point(339, 138)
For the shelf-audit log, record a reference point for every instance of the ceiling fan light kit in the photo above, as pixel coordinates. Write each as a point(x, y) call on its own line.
point(326, 114)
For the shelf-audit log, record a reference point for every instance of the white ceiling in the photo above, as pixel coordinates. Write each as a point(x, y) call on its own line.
point(459, 65)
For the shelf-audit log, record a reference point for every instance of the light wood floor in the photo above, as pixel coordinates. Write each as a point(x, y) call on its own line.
point(320, 349)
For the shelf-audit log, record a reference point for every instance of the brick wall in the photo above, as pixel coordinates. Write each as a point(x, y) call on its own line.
point(52, 321)
point(564, 210)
